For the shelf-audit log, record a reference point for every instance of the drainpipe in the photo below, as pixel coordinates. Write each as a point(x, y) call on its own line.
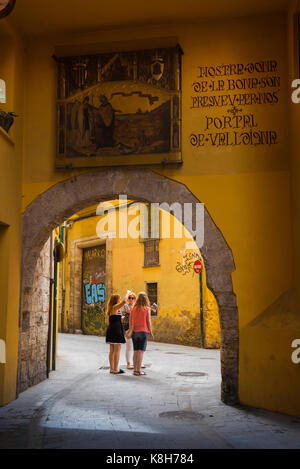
point(61, 239)
point(50, 308)
point(54, 311)
point(62, 229)
point(63, 232)
point(202, 336)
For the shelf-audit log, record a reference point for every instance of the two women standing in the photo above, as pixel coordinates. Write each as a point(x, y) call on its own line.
point(139, 330)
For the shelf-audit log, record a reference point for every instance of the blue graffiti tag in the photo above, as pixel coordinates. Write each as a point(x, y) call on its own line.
point(95, 293)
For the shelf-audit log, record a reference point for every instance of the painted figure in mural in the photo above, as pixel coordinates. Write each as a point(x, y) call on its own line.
point(114, 334)
point(125, 319)
point(104, 123)
point(80, 123)
point(74, 123)
point(3, 4)
point(80, 118)
point(87, 122)
point(140, 329)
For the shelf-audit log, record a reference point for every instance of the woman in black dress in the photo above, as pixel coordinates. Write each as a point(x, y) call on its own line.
point(114, 334)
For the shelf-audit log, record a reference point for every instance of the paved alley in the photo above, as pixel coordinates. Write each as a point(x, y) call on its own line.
point(83, 406)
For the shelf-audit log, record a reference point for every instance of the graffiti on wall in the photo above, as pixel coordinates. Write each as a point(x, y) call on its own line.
point(186, 265)
point(94, 293)
point(94, 290)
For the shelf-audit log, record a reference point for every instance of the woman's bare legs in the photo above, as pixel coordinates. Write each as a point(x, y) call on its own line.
point(116, 357)
point(111, 354)
point(140, 357)
point(138, 360)
point(135, 360)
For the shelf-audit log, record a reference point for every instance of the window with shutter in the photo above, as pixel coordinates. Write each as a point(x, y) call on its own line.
point(151, 253)
point(152, 292)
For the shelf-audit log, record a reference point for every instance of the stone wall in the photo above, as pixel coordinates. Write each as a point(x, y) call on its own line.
point(34, 324)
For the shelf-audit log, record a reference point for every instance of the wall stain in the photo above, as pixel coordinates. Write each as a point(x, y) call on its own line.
point(182, 328)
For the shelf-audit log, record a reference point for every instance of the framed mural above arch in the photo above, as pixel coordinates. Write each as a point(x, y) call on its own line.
point(119, 108)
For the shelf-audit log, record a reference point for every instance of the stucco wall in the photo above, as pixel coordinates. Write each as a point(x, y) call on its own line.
point(240, 185)
point(178, 320)
point(247, 190)
point(11, 70)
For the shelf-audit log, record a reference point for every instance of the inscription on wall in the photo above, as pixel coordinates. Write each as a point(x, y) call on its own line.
point(227, 96)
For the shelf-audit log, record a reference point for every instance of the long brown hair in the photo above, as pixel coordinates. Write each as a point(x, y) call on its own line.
point(114, 299)
point(142, 300)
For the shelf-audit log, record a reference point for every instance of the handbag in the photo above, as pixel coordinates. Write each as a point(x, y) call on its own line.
point(129, 332)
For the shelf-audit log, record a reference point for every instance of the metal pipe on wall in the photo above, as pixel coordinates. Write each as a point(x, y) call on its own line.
point(50, 308)
point(201, 311)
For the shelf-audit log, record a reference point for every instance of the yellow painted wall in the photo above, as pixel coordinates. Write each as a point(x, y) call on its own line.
point(11, 70)
point(266, 353)
point(178, 320)
point(236, 184)
point(247, 190)
point(294, 119)
point(266, 343)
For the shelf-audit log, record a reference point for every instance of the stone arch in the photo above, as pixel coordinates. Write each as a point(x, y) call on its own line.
point(62, 200)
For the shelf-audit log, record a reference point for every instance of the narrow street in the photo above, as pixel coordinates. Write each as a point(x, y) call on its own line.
point(83, 406)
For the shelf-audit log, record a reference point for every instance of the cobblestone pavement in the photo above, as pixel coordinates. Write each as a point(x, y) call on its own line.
point(83, 406)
